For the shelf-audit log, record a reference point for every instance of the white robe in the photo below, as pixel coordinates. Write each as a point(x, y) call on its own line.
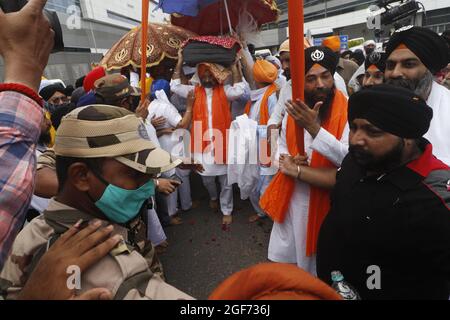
point(233, 93)
point(288, 239)
point(439, 132)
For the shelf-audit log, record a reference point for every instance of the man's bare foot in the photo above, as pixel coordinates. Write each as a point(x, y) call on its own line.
point(175, 221)
point(214, 205)
point(227, 220)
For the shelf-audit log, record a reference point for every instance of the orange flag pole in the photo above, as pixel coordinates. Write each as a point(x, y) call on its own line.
point(297, 53)
point(144, 42)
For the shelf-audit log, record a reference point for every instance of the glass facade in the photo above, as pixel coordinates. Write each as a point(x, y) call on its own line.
point(122, 18)
point(61, 5)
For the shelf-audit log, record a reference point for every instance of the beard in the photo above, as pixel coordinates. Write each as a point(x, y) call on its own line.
point(207, 84)
point(369, 51)
point(325, 95)
point(385, 163)
point(45, 138)
point(421, 87)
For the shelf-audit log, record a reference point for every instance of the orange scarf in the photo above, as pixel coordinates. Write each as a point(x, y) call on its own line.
point(275, 201)
point(221, 120)
point(264, 146)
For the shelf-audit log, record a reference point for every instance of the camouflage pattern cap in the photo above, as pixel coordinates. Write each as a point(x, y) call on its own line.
point(102, 131)
point(113, 87)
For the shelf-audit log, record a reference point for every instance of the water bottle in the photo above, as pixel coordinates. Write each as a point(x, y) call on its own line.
point(343, 288)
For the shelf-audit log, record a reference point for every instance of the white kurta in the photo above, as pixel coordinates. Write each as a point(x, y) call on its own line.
point(233, 93)
point(254, 114)
point(288, 240)
point(340, 84)
point(439, 132)
point(162, 107)
point(278, 114)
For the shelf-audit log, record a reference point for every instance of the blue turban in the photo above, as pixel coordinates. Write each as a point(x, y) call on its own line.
point(159, 84)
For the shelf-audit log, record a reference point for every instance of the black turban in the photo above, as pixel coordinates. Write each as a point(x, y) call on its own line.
point(378, 59)
point(323, 56)
point(424, 43)
point(47, 92)
point(358, 55)
point(392, 109)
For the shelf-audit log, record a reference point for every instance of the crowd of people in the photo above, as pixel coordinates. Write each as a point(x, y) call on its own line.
point(354, 175)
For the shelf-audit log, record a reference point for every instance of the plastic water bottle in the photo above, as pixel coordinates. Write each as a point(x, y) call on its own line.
point(343, 288)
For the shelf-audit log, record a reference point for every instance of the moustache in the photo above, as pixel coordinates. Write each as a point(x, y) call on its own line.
point(320, 94)
point(359, 154)
point(403, 83)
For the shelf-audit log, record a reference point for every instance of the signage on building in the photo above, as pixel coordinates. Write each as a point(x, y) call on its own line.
point(344, 42)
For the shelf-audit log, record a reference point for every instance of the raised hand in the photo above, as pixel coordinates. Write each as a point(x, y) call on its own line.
point(305, 116)
point(26, 40)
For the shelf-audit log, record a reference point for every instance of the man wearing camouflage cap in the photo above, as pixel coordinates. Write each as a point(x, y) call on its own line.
point(115, 90)
point(105, 165)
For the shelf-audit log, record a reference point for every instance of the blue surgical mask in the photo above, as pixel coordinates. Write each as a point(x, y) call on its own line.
point(123, 205)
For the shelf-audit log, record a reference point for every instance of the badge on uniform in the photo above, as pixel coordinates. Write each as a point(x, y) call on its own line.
point(120, 248)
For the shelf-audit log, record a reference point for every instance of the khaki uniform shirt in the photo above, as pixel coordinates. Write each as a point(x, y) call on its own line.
point(129, 271)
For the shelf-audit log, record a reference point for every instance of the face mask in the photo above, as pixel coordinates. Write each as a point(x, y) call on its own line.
point(122, 205)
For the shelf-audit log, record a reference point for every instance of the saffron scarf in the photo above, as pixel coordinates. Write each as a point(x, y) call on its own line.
point(275, 201)
point(221, 120)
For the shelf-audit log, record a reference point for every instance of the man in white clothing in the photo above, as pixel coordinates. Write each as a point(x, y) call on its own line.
point(323, 120)
point(281, 79)
point(212, 116)
point(259, 109)
point(414, 55)
point(277, 116)
point(170, 141)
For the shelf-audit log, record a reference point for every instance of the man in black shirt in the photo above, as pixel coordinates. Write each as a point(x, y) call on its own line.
point(388, 229)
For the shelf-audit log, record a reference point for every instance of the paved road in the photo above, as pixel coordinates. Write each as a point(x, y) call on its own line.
point(201, 254)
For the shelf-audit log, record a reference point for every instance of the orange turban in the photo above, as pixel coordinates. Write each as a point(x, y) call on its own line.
point(273, 281)
point(333, 43)
point(264, 72)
